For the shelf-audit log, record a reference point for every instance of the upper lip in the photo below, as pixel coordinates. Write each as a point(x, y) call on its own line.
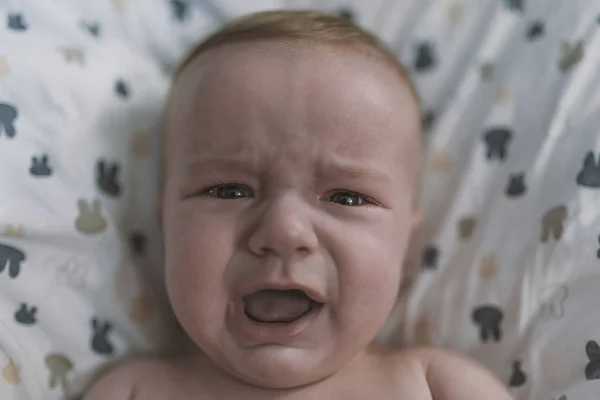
point(312, 293)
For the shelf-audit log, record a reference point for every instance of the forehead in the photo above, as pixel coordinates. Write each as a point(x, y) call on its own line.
point(268, 100)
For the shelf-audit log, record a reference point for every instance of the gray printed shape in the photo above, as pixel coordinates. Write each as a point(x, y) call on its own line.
point(488, 319)
point(107, 178)
point(496, 141)
point(39, 166)
point(589, 175)
point(592, 369)
point(12, 258)
point(8, 116)
point(518, 377)
point(100, 342)
point(16, 22)
point(516, 185)
point(425, 57)
point(26, 315)
point(179, 8)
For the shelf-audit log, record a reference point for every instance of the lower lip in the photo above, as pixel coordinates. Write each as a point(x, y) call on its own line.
point(253, 332)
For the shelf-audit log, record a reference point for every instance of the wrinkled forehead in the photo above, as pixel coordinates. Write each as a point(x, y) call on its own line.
point(246, 95)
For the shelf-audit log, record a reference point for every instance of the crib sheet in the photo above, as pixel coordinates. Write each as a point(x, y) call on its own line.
point(508, 253)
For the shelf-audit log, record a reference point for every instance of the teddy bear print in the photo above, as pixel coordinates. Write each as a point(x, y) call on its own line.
point(16, 22)
point(488, 319)
point(25, 315)
point(589, 175)
point(553, 223)
point(592, 369)
point(516, 185)
point(90, 220)
point(425, 57)
point(8, 116)
point(100, 342)
point(496, 140)
point(39, 166)
point(107, 179)
point(12, 258)
point(518, 377)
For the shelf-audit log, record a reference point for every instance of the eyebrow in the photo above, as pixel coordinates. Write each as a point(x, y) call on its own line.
point(329, 170)
point(219, 163)
point(352, 171)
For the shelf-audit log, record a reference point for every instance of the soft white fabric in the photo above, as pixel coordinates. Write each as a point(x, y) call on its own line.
point(506, 91)
point(78, 117)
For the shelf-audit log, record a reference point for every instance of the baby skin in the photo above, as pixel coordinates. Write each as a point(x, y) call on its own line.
point(291, 175)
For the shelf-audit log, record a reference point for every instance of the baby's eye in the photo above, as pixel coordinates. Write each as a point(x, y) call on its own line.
point(229, 191)
point(347, 198)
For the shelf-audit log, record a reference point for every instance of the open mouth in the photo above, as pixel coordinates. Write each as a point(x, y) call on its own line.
point(278, 306)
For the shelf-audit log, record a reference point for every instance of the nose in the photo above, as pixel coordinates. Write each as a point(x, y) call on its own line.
point(284, 229)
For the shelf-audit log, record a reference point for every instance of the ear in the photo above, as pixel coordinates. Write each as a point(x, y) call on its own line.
point(107, 327)
point(96, 206)
point(589, 160)
point(592, 350)
point(101, 166)
point(95, 323)
point(82, 205)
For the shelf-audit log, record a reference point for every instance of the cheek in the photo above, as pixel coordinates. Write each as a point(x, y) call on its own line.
point(370, 268)
point(197, 252)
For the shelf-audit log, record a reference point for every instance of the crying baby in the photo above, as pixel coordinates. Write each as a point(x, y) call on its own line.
point(292, 159)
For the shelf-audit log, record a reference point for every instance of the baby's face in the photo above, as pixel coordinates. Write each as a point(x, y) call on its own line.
point(287, 206)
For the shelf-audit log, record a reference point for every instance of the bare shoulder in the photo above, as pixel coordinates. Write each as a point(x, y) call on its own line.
point(125, 381)
point(447, 374)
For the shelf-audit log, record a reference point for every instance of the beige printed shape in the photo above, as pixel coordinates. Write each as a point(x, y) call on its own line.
point(90, 220)
point(422, 332)
point(59, 366)
point(74, 273)
point(571, 55)
point(4, 67)
point(552, 300)
point(454, 12)
point(553, 223)
point(73, 55)
point(12, 372)
point(488, 267)
point(119, 5)
point(14, 230)
point(504, 95)
point(440, 161)
point(466, 227)
point(142, 308)
point(140, 144)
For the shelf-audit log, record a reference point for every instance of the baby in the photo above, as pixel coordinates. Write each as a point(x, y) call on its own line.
point(292, 162)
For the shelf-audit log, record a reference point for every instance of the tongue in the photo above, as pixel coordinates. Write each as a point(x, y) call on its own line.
point(277, 305)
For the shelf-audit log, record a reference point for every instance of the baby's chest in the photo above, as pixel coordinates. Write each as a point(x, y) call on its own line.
point(359, 388)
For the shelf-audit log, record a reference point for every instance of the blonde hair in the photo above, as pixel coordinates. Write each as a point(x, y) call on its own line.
point(298, 26)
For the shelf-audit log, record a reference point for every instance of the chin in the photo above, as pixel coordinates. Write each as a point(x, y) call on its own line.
point(280, 367)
